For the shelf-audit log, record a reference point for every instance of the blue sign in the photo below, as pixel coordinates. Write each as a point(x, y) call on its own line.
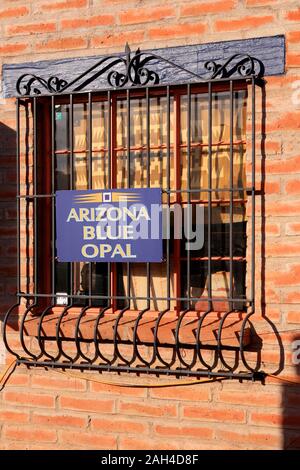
point(118, 225)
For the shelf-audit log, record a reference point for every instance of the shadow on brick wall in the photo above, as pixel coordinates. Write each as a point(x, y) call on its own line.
point(269, 325)
point(8, 218)
point(291, 403)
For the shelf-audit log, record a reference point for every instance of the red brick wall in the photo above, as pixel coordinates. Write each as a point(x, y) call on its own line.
point(44, 409)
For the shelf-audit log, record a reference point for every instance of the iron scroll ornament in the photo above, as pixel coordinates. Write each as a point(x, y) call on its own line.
point(136, 73)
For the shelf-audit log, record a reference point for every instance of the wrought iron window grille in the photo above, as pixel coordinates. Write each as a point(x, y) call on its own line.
point(133, 73)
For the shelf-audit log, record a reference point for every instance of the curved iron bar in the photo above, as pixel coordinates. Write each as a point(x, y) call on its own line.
point(39, 336)
point(98, 353)
point(242, 334)
point(52, 85)
point(136, 73)
point(22, 325)
point(219, 342)
point(76, 335)
point(198, 344)
point(178, 343)
point(220, 70)
point(59, 340)
point(117, 353)
point(136, 353)
point(6, 318)
point(156, 353)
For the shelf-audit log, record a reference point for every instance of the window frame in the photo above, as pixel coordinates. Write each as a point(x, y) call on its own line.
point(46, 154)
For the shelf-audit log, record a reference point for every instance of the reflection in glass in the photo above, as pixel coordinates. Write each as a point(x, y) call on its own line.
point(149, 161)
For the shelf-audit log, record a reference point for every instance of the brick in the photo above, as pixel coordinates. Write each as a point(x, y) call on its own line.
point(64, 5)
point(184, 431)
point(292, 297)
point(132, 37)
point(251, 437)
point(283, 249)
point(176, 30)
point(87, 440)
point(293, 36)
point(292, 228)
point(192, 393)
point(292, 186)
point(199, 9)
point(288, 418)
point(289, 276)
point(127, 443)
point(62, 44)
point(145, 15)
point(14, 416)
point(58, 383)
point(293, 15)
point(273, 229)
point(283, 208)
point(115, 390)
point(90, 22)
point(14, 12)
point(214, 414)
point(18, 380)
point(290, 120)
point(292, 59)
point(29, 433)
point(32, 28)
point(143, 409)
point(29, 399)
point(254, 3)
point(250, 399)
point(12, 49)
point(118, 425)
point(248, 22)
point(272, 187)
point(85, 404)
point(59, 420)
point(290, 166)
point(293, 317)
point(272, 147)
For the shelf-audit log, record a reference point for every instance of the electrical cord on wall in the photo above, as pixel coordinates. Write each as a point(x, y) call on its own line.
point(7, 372)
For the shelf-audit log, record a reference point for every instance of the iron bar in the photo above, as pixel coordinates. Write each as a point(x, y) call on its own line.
point(231, 196)
point(253, 171)
point(209, 210)
point(35, 190)
point(168, 260)
point(53, 228)
point(148, 267)
point(109, 179)
point(189, 218)
point(148, 370)
point(18, 192)
point(125, 297)
point(90, 171)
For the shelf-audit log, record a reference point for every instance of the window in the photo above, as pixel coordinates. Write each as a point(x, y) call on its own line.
point(189, 140)
point(179, 164)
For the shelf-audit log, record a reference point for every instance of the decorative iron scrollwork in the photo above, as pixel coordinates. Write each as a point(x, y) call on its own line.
point(133, 71)
point(242, 64)
point(29, 84)
point(136, 72)
point(97, 347)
